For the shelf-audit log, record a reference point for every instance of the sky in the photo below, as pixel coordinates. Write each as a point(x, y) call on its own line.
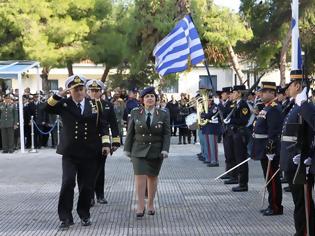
point(233, 4)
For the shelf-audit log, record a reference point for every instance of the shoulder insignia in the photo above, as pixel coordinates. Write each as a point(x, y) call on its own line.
point(244, 111)
point(274, 104)
point(232, 105)
point(51, 101)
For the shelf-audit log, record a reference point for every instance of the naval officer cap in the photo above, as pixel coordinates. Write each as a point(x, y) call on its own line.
point(149, 90)
point(95, 84)
point(75, 81)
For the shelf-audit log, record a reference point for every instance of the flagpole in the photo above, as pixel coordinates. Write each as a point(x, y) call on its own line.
point(205, 62)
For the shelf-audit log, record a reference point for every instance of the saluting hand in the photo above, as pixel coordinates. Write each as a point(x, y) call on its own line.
point(63, 93)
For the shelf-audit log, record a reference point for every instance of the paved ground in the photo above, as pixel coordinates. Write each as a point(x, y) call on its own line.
point(189, 201)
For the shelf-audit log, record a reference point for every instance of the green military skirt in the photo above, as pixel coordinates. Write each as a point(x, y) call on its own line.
point(145, 166)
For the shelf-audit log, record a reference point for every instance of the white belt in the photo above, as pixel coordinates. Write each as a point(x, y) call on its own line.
point(260, 136)
point(289, 139)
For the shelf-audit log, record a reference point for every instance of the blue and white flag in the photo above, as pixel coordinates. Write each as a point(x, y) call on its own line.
point(181, 46)
point(296, 63)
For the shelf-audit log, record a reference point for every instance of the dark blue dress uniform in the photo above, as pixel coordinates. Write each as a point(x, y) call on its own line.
point(210, 132)
point(108, 115)
point(289, 149)
point(80, 146)
point(236, 141)
point(266, 140)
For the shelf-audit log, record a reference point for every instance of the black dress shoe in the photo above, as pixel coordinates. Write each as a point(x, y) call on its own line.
point(92, 203)
point(86, 222)
point(140, 214)
point(65, 224)
point(4, 151)
point(102, 201)
point(287, 189)
point(240, 188)
point(271, 212)
point(231, 181)
point(151, 212)
point(213, 165)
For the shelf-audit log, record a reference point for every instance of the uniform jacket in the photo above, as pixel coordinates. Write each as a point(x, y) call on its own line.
point(38, 113)
point(225, 108)
point(240, 115)
point(8, 115)
point(173, 108)
point(210, 128)
point(287, 153)
point(268, 123)
point(145, 142)
point(80, 136)
point(108, 114)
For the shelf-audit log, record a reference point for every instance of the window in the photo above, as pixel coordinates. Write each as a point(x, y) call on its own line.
point(53, 84)
point(204, 81)
point(171, 86)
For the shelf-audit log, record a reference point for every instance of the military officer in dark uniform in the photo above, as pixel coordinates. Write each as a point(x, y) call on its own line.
point(266, 146)
point(225, 108)
point(291, 155)
point(131, 103)
point(80, 146)
point(95, 88)
point(237, 138)
point(8, 122)
point(147, 143)
point(40, 117)
point(210, 131)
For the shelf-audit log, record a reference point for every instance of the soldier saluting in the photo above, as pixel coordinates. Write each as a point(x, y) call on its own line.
point(95, 88)
point(80, 146)
point(266, 146)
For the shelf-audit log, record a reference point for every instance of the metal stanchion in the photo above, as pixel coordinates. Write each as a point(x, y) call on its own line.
point(49, 142)
point(58, 129)
point(32, 135)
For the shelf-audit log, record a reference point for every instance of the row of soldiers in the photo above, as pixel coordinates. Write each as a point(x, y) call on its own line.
point(273, 129)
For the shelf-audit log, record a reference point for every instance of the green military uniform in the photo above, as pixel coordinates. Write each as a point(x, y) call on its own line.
point(145, 144)
point(8, 119)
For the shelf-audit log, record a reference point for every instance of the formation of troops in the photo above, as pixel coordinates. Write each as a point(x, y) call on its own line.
point(273, 125)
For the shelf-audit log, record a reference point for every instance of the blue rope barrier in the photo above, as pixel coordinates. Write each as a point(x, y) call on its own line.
point(42, 132)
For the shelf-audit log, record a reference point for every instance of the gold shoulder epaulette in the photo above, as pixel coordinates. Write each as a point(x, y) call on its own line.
point(51, 101)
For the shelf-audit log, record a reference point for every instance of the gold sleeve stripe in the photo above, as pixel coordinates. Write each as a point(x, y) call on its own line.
point(105, 139)
point(51, 101)
point(116, 140)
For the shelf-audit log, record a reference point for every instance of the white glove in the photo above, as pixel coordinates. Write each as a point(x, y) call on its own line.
point(227, 121)
point(308, 161)
point(302, 96)
point(216, 101)
point(297, 159)
point(214, 120)
point(164, 154)
point(270, 157)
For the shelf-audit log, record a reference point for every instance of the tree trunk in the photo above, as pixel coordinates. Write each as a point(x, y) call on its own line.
point(283, 57)
point(70, 68)
point(235, 64)
point(105, 74)
point(44, 76)
point(182, 8)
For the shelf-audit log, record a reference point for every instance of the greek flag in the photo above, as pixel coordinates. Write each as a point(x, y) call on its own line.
point(178, 49)
point(296, 43)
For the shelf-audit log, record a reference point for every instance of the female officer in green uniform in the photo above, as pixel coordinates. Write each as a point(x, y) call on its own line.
point(147, 144)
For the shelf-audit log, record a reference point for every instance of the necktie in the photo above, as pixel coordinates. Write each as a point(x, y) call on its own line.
point(79, 107)
point(148, 120)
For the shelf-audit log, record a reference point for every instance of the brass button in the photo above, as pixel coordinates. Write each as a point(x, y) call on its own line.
point(85, 133)
point(76, 127)
point(143, 135)
point(150, 143)
point(85, 138)
point(75, 137)
point(85, 124)
point(150, 134)
point(76, 131)
point(85, 128)
point(76, 122)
